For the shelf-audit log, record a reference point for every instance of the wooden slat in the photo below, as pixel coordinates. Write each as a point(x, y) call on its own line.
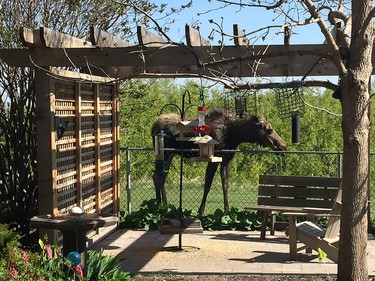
point(78, 133)
point(102, 38)
point(293, 192)
point(79, 76)
point(300, 180)
point(54, 39)
point(193, 37)
point(295, 202)
point(115, 150)
point(147, 38)
point(239, 36)
point(98, 195)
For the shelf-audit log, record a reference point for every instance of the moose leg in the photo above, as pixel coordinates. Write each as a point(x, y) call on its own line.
point(159, 177)
point(224, 173)
point(210, 172)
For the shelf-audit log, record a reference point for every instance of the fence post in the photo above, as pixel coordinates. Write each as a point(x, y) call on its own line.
point(128, 182)
point(339, 164)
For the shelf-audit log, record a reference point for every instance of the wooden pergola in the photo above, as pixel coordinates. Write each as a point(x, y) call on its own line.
point(108, 56)
point(77, 111)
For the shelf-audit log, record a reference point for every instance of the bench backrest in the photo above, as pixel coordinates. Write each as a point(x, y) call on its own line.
point(333, 225)
point(298, 191)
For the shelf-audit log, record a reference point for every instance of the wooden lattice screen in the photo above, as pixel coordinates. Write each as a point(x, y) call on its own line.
point(78, 154)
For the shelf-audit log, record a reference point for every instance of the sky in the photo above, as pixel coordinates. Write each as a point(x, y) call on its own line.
point(248, 19)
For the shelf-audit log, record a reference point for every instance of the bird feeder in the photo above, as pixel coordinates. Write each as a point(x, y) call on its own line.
point(186, 126)
point(206, 149)
point(159, 151)
point(159, 145)
point(202, 128)
point(244, 103)
point(290, 103)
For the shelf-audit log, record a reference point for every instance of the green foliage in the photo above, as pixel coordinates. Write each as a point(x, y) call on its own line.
point(151, 214)
point(233, 220)
point(8, 239)
point(321, 255)
point(104, 268)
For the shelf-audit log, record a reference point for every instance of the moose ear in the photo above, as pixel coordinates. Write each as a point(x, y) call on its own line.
point(256, 120)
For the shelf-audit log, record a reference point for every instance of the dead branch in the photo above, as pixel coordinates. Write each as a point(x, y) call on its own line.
point(272, 85)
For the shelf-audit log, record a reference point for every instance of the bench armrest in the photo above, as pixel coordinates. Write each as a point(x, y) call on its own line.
point(310, 214)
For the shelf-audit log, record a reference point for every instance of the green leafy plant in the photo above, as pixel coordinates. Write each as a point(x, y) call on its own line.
point(321, 255)
point(234, 220)
point(8, 238)
point(104, 268)
point(151, 214)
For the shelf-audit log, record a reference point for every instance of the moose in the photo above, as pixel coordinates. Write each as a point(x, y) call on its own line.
point(228, 130)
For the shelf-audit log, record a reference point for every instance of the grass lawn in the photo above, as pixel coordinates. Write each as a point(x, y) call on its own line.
point(240, 195)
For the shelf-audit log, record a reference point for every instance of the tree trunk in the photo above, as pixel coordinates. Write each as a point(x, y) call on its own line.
point(353, 230)
point(352, 264)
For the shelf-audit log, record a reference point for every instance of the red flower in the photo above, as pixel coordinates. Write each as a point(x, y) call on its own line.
point(14, 272)
point(25, 258)
point(78, 269)
point(48, 250)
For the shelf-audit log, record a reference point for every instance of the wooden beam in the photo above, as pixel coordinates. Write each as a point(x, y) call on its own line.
point(193, 37)
point(239, 36)
point(148, 39)
point(102, 38)
point(55, 39)
point(62, 73)
point(171, 55)
point(266, 61)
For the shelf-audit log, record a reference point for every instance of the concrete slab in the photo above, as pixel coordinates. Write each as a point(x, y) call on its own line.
point(214, 252)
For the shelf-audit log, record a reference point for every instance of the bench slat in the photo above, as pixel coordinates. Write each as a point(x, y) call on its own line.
point(296, 203)
point(300, 180)
point(297, 192)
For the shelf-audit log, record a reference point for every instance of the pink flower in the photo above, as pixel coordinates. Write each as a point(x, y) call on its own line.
point(14, 272)
point(42, 279)
point(78, 269)
point(31, 279)
point(25, 258)
point(48, 250)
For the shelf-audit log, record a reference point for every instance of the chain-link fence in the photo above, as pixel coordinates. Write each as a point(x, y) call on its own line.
point(137, 167)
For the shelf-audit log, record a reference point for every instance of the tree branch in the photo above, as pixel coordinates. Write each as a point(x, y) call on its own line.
point(268, 7)
point(329, 38)
point(308, 83)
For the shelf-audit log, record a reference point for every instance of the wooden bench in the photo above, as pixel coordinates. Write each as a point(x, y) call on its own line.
point(288, 194)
